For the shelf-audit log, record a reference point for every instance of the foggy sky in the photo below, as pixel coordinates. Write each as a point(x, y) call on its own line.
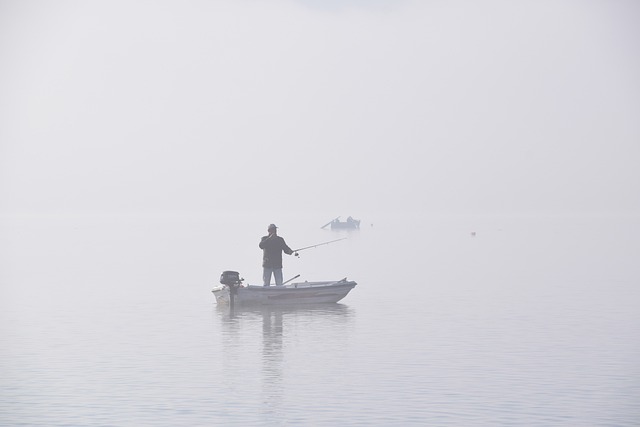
point(345, 107)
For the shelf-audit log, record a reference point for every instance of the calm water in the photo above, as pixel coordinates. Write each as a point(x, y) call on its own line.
point(109, 321)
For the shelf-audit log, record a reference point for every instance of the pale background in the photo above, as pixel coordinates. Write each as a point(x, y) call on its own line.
point(146, 145)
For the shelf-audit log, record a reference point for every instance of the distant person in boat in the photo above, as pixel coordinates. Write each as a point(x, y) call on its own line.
point(272, 247)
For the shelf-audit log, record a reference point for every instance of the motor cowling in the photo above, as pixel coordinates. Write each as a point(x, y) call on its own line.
point(230, 278)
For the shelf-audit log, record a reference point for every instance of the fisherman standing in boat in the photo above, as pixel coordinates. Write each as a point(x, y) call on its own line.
point(272, 247)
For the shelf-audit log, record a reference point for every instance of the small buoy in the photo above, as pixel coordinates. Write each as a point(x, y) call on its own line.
point(473, 234)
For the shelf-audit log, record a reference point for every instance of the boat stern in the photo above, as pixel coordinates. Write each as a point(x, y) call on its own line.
point(221, 293)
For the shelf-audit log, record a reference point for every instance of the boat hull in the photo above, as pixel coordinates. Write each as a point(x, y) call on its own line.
point(353, 225)
point(292, 294)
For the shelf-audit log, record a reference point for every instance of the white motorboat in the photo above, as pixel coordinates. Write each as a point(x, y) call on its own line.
point(290, 293)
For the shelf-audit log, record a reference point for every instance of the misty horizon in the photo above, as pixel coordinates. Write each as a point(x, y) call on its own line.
point(418, 107)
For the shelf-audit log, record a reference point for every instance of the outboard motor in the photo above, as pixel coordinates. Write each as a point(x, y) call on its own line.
point(230, 278)
point(233, 281)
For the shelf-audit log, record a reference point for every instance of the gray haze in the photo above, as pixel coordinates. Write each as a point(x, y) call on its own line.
point(145, 146)
point(339, 107)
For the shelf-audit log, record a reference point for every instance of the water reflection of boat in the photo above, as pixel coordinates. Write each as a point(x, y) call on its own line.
point(250, 364)
point(289, 294)
point(253, 312)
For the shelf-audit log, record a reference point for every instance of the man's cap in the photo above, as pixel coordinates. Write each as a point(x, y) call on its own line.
point(272, 227)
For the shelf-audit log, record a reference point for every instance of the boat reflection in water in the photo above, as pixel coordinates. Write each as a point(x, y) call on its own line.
point(274, 345)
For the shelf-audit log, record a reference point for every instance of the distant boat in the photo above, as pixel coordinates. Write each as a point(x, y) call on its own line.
point(349, 224)
point(288, 294)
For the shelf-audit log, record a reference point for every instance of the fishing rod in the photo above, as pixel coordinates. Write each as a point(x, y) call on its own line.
point(314, 246)
point(335, 219)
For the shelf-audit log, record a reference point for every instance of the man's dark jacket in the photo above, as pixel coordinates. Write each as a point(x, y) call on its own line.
point(272, 249)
